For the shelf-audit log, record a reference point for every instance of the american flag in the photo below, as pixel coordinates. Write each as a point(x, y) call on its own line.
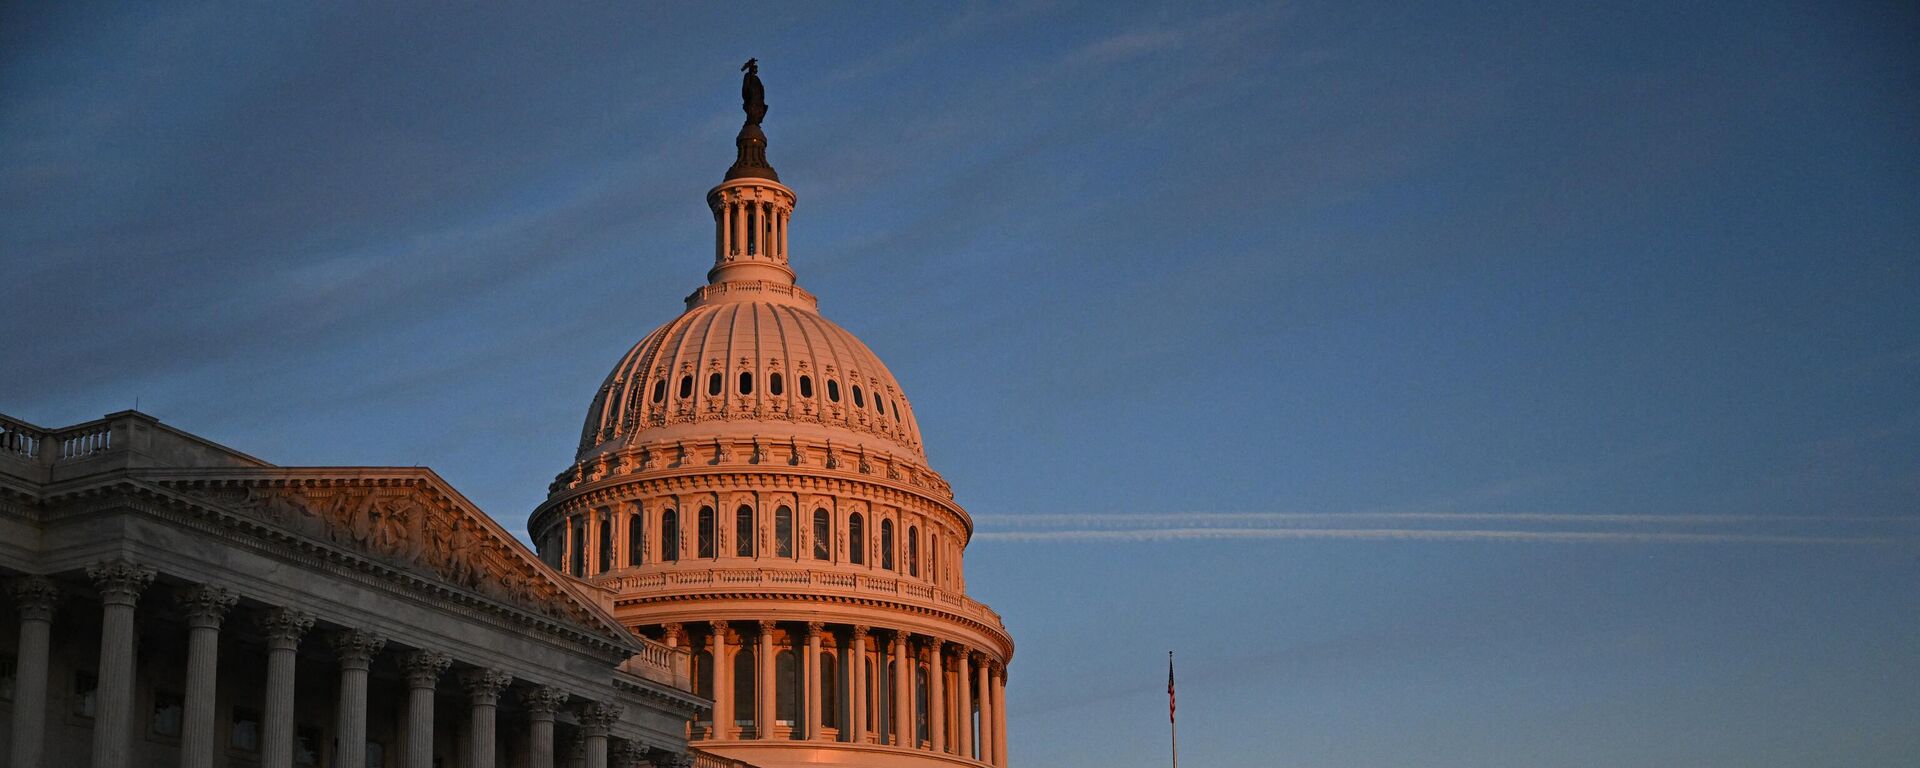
point(1170, 706)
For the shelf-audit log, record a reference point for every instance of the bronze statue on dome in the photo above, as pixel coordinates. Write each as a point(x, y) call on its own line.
point(753, 96)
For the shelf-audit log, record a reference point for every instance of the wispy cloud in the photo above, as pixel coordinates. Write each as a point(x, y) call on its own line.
point(1520, 527)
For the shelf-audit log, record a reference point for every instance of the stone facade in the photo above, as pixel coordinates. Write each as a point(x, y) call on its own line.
point(175, 602)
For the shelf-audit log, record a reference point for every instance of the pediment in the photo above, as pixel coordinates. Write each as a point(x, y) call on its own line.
point(408, 519)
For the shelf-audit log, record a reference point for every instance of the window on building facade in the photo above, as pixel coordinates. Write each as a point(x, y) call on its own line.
point(933, 557)
point(833, 390)
point(856, 539)
point(86, 689)
point(686, 387)
point(858, 401)
point(743, 679)
point(786, 688)
point(168, 709)
point(886, 544)
point(669, 536)
point(713, 383)
point(773, 385)
point(746, 383)
point(913, 550)
point(243, 732)
point(703, 674)
point(604, 521)
point(636, 538)
point(660, 391)
point(706, 532)
point(822, 535)
point(577, 556)
point(743, 531)
point(920, 694)
point(783, 532)
point(306, 746)
point(829, 689)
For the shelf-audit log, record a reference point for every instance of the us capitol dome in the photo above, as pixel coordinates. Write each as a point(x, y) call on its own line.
point(751, 485)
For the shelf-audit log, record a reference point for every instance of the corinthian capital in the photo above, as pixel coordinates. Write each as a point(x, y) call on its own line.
point(484, 685)
point(119, 580)
point(597, 718)
point(285, 626)
point(206, 606)
point(425, 667)
point(35, 596)
point(544, 700)
point(356, 648)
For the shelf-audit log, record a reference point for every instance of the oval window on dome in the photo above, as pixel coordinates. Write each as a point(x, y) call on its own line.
point(880, 405)
point(686, 387)
point(833, 390)
point(713, 383)
point(858, 401)
point(806, 385)
point(660, 390)
point(773, 385)
point(746, 383)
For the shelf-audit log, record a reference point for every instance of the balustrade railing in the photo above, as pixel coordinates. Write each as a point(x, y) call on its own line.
point(20, 440)
point(86, 440)
point(627, 583)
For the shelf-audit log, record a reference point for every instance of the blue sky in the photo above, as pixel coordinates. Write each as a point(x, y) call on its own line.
point(1502, 384)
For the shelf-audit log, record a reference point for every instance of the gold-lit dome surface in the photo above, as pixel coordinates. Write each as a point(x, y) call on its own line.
point(751, 368)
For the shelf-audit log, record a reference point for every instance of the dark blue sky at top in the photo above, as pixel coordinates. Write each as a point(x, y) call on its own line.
point(1564, 260)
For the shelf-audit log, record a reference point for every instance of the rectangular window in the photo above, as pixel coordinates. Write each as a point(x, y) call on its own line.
point(245, 733)
point(168, 709)
point(85, 688)
point(636, 538)
point(604, 520)
point(577, 551)
point(306, 746)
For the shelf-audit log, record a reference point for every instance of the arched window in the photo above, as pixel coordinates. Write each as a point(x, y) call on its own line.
point(660, 390)
point(829, 689)
point(636, 538)
point(706, 532)
point(786, 688)
point(833, 390)
point(743, 531)
point(713, 383)
point(783, 532)
point(686, 386)
point(746, 383)
point(886, 544)
point(913, 550)
point(743, 679)
point(858, 401)
point(879, 405)
point(669, 536)
point(773, 385)
point(933, 557)
point(806, 385)
point(857, 539)
point(822, 535)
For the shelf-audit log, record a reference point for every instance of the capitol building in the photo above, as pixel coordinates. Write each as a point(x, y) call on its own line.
point(748, 562)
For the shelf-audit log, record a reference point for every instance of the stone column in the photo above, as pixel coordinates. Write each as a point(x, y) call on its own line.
point(965, 703)
point(205, 607)
point(120, 583)
point(814, 684)
point(34, 597)
point(423, 669)
point(596, 720)
point(483, 699)
point(987, 705)
point(857, 685)
point(672, 633)
point(903, 730)
point(355, 649)
point(722, 682)
point(541, 703)
point(282, 628)
point(764, 716)
point(1000, 715)
point(937, 697)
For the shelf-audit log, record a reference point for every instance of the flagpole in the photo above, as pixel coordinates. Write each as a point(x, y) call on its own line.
point(1173, 726)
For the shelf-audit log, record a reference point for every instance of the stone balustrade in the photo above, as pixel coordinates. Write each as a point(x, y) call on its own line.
point(812, 580)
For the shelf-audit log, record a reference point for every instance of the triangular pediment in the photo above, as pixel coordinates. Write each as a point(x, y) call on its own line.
point(404, 518)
